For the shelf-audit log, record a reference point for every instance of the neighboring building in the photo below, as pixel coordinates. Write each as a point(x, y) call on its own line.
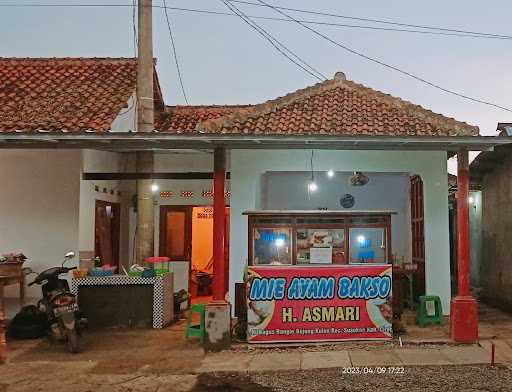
point(79, 114)
point(492, 171)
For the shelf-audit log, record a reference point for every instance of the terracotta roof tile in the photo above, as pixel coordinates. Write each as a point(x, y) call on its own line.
point(184, 119)
point(63, 94)
point(337, 107)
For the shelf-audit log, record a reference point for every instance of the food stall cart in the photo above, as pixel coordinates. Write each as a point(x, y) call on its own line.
point(319, 276)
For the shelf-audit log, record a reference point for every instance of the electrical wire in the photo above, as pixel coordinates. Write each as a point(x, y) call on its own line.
point(178, 69)
point(369, 20)
point(392, 67)
point(276, 44)
point(440, 31)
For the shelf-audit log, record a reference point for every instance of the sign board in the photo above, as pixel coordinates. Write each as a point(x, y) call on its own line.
point(331, 303)
point(321, 255)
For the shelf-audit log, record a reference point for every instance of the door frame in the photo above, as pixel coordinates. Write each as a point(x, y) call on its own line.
point(115, 228)
point(188, 209)
point(162, 239)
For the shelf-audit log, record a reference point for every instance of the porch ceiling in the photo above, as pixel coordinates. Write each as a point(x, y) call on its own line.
point(162, 141)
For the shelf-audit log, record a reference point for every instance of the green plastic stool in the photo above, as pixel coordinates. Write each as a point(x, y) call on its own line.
point(430, 311)
point(197, 330)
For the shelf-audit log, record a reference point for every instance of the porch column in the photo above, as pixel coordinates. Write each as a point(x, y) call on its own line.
point(464, 308)
point(219, 227)
point(218, 312)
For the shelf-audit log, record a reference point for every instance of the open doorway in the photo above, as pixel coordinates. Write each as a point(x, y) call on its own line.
point(107, 232)
point(186, 237)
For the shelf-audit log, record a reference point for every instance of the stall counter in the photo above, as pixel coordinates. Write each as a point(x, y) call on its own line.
point(109, 303)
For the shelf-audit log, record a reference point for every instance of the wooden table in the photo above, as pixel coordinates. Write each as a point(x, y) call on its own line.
point(13, 274)
point(3, 345)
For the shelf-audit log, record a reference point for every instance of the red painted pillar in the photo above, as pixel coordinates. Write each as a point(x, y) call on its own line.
point(464, 308)
point(219, 227)
point(463, 223)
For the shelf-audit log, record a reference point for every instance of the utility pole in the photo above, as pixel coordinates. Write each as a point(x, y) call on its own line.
point(145, 123)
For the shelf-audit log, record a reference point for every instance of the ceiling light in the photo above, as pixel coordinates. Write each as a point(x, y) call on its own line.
point(330, 173)
point(312, 186)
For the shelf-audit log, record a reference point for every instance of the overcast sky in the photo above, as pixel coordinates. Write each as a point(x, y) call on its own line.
point(225, 62)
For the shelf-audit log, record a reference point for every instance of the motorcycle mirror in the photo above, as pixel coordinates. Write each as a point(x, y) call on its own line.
point(27, 271)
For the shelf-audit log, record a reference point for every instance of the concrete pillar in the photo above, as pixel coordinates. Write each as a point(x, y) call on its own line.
point(464, 308)
point(145, 123)
point(145, 104)
point(145, 209)
point(218, 326)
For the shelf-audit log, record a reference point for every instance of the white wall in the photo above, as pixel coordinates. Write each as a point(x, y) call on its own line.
point(384, 191)
point(39, 206)
point(248, 166)
point(108, 162)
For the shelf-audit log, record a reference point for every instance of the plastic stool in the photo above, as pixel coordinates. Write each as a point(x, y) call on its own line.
point(197, 330)
point(423, 317)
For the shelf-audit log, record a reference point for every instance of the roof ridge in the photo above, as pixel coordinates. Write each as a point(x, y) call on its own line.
point(212, 106)
point(64, 60)
point(213, 125)
point(448, 123)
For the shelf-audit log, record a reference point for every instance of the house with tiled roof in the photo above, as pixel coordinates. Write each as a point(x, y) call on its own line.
point(338, 148)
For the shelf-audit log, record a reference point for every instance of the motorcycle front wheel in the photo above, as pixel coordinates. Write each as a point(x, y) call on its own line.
point(72, 341)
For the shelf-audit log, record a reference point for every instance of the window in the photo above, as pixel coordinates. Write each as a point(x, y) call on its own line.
point(320, 246)
point(319, 239)
point(272, 246)
point(368, 245)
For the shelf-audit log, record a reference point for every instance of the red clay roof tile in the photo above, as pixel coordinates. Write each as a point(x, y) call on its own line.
point(336, 107)
point(63, 94)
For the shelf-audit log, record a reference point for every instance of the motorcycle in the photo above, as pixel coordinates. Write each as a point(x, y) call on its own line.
point(64, 319)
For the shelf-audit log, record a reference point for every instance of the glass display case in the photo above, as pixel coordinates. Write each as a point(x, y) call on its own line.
point(319, 237)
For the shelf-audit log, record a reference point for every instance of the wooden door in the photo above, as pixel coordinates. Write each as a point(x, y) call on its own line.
point(107, 231)
point(176, 232)
point(418, 232)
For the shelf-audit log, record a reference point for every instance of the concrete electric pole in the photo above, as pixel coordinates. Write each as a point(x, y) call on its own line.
point(145, 123)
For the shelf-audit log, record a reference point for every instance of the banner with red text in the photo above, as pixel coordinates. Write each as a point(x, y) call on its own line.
point(311, 304)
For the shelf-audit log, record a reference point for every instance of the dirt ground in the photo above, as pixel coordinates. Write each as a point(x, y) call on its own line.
point(414, 379)
point(163, 360)
point(119, 351)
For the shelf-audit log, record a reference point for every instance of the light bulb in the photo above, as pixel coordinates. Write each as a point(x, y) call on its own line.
point(330, 173)
point(312, 186)
point(154, 188)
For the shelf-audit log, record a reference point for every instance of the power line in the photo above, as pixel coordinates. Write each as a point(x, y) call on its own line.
point(440, 32)
point(368, 20)
point(357, 53)
point(174, 52)
point(276, 44)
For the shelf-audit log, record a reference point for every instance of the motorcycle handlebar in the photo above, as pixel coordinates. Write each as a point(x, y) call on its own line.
point(63, 270)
